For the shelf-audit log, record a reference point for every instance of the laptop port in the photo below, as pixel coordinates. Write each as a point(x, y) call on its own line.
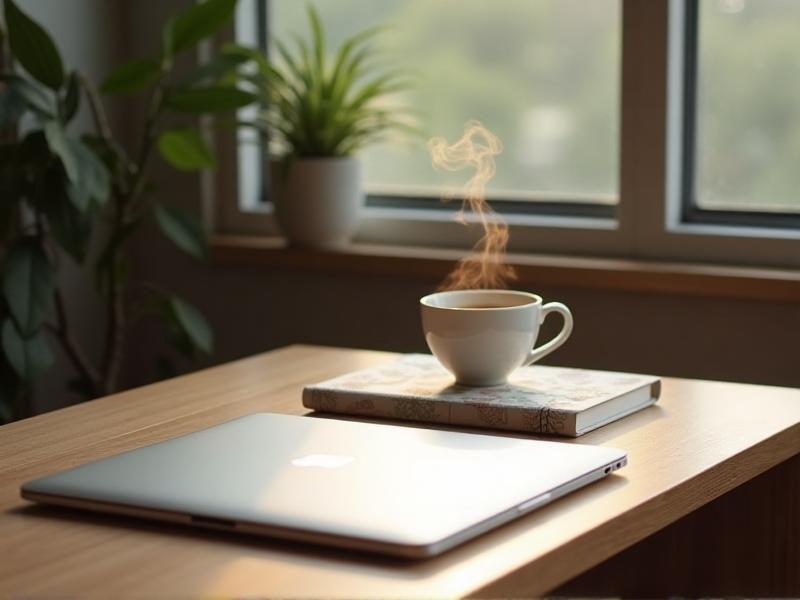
point(212, 522)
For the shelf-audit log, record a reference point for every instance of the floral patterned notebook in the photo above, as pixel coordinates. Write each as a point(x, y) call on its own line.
point(536, 399)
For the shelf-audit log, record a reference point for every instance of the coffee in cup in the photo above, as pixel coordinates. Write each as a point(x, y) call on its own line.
point(481, 336)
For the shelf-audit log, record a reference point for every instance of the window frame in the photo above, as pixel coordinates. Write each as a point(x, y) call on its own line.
point(662, 231)
point(690, 211)
point(650, 220)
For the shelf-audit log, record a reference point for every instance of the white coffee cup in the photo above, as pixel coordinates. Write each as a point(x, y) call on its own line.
point(481, 336)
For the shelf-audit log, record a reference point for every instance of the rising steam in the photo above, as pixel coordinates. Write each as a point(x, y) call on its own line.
point(484, 268)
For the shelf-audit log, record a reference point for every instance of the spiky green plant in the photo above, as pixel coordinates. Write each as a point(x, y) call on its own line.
point(316, 107)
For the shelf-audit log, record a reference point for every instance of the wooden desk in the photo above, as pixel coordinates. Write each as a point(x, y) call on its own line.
point(703, 440)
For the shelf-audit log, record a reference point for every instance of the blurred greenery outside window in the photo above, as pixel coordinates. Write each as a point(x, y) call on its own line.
point(546, 77)
point(543, 75)
point(745, 108)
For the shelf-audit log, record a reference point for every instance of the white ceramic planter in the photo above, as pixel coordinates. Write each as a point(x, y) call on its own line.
point(318, 200)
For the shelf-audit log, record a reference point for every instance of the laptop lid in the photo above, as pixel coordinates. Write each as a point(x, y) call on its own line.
point(399, 490)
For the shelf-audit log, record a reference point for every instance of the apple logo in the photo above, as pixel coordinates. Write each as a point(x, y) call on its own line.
point(323, 461)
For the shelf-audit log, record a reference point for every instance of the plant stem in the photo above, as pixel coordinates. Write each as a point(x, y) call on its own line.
point(116, 322)
point(104, 131)
point(114, 345)
point(146, 146)
point(63, 333)
point(97, 109)
point(124, 207)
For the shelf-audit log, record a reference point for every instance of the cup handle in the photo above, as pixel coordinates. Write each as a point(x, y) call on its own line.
point(547, 348)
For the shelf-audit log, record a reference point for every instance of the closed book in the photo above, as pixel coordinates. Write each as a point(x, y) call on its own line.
point(536, 399)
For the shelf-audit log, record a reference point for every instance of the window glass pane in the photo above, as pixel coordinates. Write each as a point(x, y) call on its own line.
point(543, 75)
point(748, 105)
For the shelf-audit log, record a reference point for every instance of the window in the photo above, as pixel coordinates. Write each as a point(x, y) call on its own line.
point(549, 90)
point(744, 115)
point(630, 128)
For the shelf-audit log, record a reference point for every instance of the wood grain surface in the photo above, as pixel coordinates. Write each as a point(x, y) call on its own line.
point(702, 440)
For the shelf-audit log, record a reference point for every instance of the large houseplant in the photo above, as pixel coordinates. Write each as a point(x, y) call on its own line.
point(319, 111)
point(81, 196)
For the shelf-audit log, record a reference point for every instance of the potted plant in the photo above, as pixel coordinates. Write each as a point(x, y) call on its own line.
point(318, 113)
point(81, 196)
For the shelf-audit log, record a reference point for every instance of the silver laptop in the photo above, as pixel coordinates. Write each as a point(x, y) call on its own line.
point(398, 490)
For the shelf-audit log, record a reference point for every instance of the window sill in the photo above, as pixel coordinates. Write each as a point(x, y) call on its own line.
point(533, 270)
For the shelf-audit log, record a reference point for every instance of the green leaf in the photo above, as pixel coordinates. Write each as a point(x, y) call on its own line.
point(318, 35)
point(185, 326)
point(33, 47)
point(313, 109)
point(110, 153)
point(78, 196)
point(88, 175)
point(176, 335)
point(28, 285)
point(71, 227)
point(131, 76)
point(183, 229)
point(29, 357)
point(72, 97)
point(57, 141)
point(32, 95)
point(185, 149)
point(208, 99)
point(193, 324)
point(12, 107)
point(247, 53)
point(93, 174)
point(218, 67)
point(197, 23)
